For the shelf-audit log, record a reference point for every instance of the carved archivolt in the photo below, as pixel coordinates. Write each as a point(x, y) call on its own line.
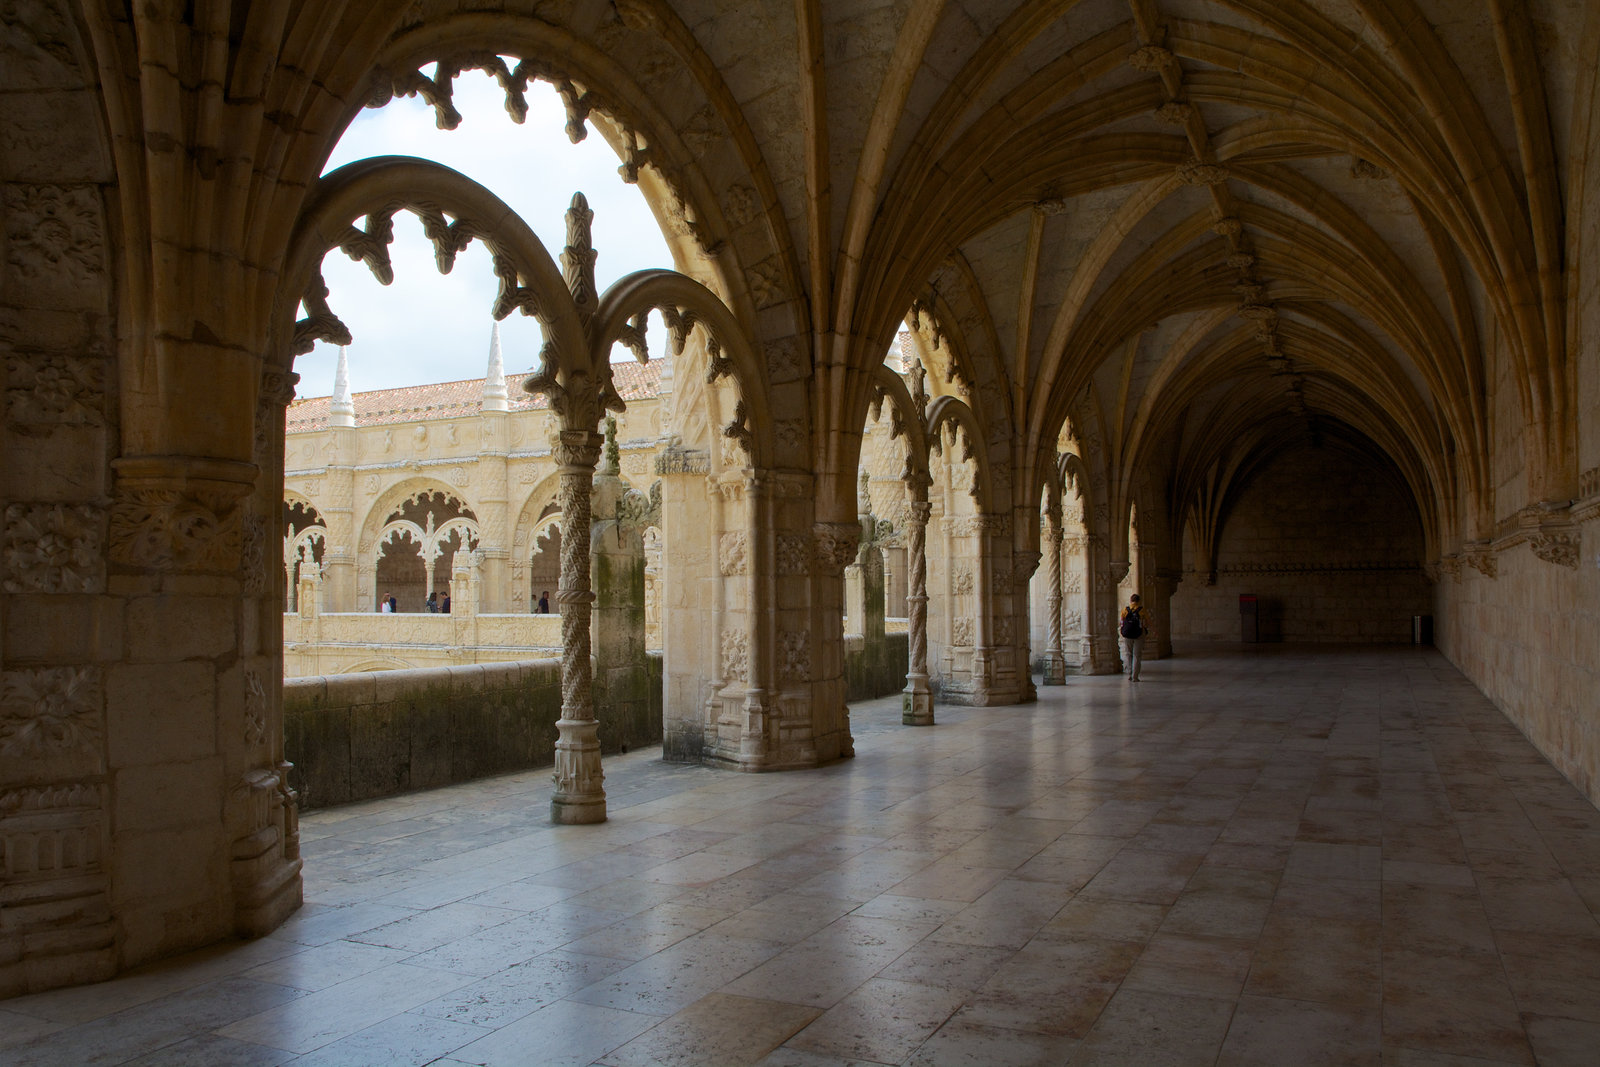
point(50, 710)
point(54, 548)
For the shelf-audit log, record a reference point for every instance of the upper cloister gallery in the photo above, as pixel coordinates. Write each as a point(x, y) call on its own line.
point(1197, 275)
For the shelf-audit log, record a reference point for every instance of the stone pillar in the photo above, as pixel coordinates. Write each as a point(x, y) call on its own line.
point(1105, 657)
point(1159, 585)
point(579, 795)
point(617, 566)
point(836, 544)
point(690, 565)
point(1055, 664)
point(917, 702)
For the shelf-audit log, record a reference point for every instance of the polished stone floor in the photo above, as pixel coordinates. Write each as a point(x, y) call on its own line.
point(1278, 856)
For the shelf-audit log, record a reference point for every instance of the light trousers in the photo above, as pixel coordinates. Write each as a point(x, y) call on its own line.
point(1132, 655)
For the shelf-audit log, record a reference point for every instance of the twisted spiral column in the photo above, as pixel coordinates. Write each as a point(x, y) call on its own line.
point(917, 703)
point(579, 795)
point(1055, 663)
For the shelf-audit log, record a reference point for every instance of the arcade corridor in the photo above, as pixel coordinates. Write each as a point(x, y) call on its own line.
point(1278, 856)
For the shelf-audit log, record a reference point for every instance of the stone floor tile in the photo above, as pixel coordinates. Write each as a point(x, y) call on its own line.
point(1053, 987)
point(674, 978)
point(326, 965)
point(718, 1029)
point(1144, 876)
point(1271, 1031)
point(521, 990)
point(17, 1028)
point(1563, 1042)
point(1116, 920)
point(313, 1021)
point(565, 1034)
point(1192, 966)
point(318, 924)
point(424, 930)
point(824, 968)
point(883, 1021)
point(1457, 1004)
point(1139, 1028)
point(947, 965)
point(209, 1050)
point(1326, 960)
point(964, 1044)
point(406, 1040)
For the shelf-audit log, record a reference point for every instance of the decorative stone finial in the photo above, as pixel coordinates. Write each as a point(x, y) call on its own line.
point(342, 410)
point(494, 384)
point(612, 463)
point(577, 261)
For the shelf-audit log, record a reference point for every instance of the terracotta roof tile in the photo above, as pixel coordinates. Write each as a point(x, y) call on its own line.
point(454, 400)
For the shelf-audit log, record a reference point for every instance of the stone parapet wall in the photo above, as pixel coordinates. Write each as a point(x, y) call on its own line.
point(356, 641)
point(358, 736)
point(875, 669)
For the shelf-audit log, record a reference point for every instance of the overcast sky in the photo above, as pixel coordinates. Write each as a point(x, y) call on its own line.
point(429, 327)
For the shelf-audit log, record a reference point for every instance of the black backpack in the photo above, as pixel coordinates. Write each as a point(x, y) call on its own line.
point(1132, 625)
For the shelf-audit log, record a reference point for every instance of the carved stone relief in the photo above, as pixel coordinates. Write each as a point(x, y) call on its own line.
point(795, 652)
point(1558, 548)
point(794, 555)
point(735, 655)
point(255, 709)
point(164, 529)
point(733, 552)
point(54, 548)
point(55, 389)
point(50, 710)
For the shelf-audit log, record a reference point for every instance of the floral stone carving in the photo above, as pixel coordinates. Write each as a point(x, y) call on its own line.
point(53, 548)
point(50, 710)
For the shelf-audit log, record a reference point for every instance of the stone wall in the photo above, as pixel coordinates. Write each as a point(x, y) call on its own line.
point(1530, 639)
point(356, 736)
point(1332, 550)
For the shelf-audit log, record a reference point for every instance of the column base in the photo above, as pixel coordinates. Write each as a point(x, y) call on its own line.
point(578, 811)
point(1055, 670)
point(579, 798)
point(916, 707)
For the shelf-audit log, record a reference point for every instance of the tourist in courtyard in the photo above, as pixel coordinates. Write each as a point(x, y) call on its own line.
point(544, 602)
point(1134, 628)
point(386, 605)
point(444, 604)
point(433, 603)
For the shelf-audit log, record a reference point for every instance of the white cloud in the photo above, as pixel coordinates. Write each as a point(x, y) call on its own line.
point(428, 327)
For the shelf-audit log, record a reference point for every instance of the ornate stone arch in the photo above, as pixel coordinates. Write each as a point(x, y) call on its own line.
point(393, 498)
point(955, 412)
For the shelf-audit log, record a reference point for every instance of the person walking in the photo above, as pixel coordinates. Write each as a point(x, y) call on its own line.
point(1134, 628)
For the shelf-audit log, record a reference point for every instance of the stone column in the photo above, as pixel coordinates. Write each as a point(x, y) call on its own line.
point(579, 795)
point(1055, 664)
point(1159, 585)
point(917, 702)
point(1100, 590)
point(836, 544)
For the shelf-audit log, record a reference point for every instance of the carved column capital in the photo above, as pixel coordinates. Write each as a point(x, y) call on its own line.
point(179, 513)
point(836, 544)
point(576, 449)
